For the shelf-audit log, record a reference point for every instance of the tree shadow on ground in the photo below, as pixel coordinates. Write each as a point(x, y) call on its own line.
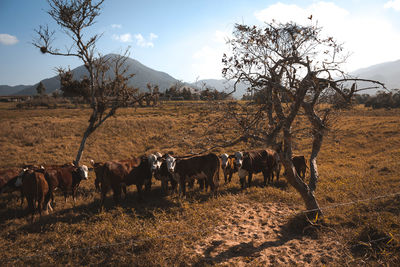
point(295, 228)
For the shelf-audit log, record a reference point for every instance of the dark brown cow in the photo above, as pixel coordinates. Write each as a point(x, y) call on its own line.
point(35, 189)
point(117, 175)
point(300, 164)
point(66, 177)
point(204, 168)
point(228, 166)
point(264, 161)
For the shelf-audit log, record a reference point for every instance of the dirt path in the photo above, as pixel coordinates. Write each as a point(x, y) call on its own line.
point(255, 235)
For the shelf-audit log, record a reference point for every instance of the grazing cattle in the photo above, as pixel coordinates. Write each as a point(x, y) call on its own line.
point(254, 162)
point(35, 189)
point(228, 166)
point(138, 171)
point(205, 168)
point(66, 177)
point(300, 164)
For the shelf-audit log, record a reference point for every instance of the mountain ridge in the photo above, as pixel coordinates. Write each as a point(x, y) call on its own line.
point(386, 72)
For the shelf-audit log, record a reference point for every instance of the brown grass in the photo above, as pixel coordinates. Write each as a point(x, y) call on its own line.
point(358, 161)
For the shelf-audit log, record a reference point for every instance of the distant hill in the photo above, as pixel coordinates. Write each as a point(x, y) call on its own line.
point(388, 73)
point(143, 75)
point(9, 90)
point(223, 86)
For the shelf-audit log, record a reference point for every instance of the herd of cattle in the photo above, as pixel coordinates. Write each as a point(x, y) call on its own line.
point(37, 183)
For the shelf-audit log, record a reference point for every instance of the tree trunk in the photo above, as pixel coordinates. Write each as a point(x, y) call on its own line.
point(319, 130)
point(293, 178)
point(88, 131)
point(317, 143)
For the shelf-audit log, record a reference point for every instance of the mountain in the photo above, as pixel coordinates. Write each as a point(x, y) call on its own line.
point(9, 90)
point(387, 72)
point(143, 75)
point(223, 86)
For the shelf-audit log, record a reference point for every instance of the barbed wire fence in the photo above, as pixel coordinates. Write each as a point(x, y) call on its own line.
point(133, 241)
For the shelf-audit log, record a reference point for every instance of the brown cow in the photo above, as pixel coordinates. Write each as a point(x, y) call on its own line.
point(204, 168)
point(66, 177)
point(35, 189)
point(119, 174)
point(300, 164)
point(228, 166)
point(264, 161)
point(114, 173)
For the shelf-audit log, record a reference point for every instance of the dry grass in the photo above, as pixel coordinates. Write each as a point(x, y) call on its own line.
point(359, 160)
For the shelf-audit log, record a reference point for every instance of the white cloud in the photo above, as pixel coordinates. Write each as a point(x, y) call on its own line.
point(7, 39)
point(395, 4)
point(124, 38)
point(116, 26)
point(153, 36)
point(208, 59)
point(141, 41)
point(371, 39)
point(222, 37)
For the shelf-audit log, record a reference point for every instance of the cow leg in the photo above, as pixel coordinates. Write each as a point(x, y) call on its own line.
point(266, 177)
point(31, 207)
point(278, 170)
point(226, 176)
point(202, 184)
point(123, 188)
point(139, 190)
point(230, 177)
point(117, 194)
point(147, 185)
point(174, 185)
point(249, 179)
point(191, 184)
point(22, 198)
point(182, 185)
point(74, 197)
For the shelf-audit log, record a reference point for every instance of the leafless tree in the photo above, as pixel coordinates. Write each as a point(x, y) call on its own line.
point(106, 86)
point(292, 67)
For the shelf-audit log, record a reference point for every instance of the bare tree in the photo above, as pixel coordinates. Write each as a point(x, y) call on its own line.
point(105, 87)
point(291, 67)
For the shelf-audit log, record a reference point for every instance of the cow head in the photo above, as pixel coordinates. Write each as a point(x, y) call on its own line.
point(224, 160)
point(171, 163)
point(239, 159)
point(83, 172)
point(155, 161)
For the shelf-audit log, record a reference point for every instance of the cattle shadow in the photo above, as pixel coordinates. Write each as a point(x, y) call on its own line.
point(10, 207)
point(295, 228)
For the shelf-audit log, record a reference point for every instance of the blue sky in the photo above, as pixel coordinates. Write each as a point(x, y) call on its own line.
point(187, 38)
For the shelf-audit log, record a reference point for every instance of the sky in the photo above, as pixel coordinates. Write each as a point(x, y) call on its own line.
point(187, 39)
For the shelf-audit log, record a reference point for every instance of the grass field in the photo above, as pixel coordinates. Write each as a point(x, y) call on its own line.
point(358, 163)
